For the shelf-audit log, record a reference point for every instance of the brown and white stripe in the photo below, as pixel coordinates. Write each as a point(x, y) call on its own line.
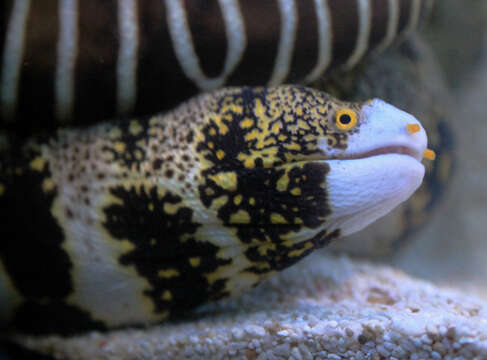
point(66, 57)
point(13, 48)
point(82, 61)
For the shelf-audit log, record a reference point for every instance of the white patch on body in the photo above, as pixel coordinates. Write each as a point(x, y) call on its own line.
point(109, 291)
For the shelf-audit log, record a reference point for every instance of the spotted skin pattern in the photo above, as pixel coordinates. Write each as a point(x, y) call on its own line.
point(185, 207)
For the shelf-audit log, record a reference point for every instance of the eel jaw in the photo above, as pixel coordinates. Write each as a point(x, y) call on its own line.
point(388, 149)
point(380, 168)
point(363, 189)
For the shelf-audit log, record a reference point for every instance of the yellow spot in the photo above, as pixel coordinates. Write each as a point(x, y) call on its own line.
point(237, 200)
point(299, 111)
point(277, 219)
point(171, 209)
point(298, 221)
point(135, 128)
point(254, 134)
point(219, 202)
point(429, 154)
point(211, 145)
point(249, 163)
point(245, 124)
point(48, 185)
point(222, 127)
point(220, 154)
point(2, 189)
point(151, 207)
point(240, 217)
point(259, 108)
point(296, 191)
point(293, 146)
point(303, 125)
point(167, 296)
point(283, 183)
point(119, 146)
point(226, 180)
point(212, 132)
point(276, 127)
point(37, 164)
point(308, 245)
point(168, 273)
point(252, 201)
point(195, 261)
point(282, 137)
point(232, 107)
point(265, 247)
point(412, 128)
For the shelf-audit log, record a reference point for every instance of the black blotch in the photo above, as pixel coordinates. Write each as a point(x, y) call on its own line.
point(56, 317)
point(280, 258)
point(69, 213)
point(134, 153)
point(164, 241)
point(31, 238)
point(157, 164)
point(169, 173)
point(233, 141)
point(261, 185)
point(190, 136)
point(12, 351)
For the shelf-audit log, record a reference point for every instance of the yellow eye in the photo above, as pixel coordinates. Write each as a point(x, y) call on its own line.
point(346, 119)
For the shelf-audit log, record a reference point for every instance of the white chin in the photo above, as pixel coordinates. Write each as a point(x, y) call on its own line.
point(363, 190)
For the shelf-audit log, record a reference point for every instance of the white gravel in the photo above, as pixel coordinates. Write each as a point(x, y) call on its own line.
point(323, 308)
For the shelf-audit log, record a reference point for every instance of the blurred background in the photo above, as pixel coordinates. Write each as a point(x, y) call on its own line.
point(452, 248)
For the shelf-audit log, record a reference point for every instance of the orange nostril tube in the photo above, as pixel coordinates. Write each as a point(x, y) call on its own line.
point(429, 154)
point(413, 128)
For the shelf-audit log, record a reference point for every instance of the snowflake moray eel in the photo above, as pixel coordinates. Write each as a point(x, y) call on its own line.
point(140, 219)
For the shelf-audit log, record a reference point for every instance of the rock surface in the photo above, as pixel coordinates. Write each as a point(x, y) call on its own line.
point(324, 308)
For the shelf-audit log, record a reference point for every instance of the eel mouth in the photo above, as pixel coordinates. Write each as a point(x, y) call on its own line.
point(385, 150)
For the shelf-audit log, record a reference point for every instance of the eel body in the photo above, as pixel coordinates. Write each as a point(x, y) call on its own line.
point(131, 223)
point(80, 62)
point(143, 218)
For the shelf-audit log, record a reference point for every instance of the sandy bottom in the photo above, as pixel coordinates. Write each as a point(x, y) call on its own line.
point(323, 308)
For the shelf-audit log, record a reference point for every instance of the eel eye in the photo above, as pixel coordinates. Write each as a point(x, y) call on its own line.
point(346, 119)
